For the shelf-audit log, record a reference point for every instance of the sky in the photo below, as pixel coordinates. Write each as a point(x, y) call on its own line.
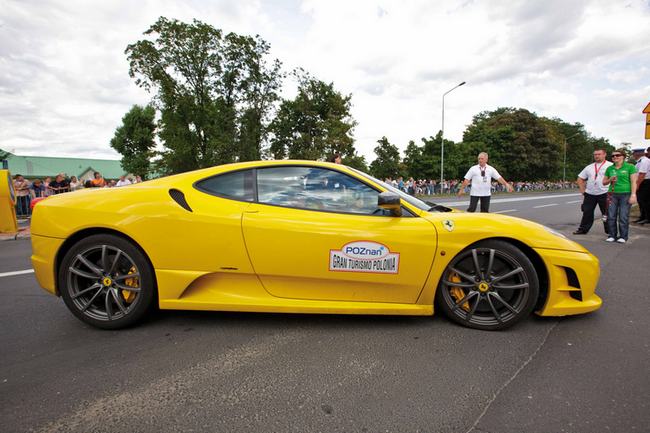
point(64, 83)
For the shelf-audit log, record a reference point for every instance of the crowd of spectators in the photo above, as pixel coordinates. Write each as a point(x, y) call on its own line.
point(26, 191)
point(434, 187)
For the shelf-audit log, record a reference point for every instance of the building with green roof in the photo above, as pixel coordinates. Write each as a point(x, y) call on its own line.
point(39, 167)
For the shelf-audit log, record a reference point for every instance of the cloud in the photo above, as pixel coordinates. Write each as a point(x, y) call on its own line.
point(64, 83)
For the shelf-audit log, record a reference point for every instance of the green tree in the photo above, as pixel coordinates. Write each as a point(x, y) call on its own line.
point(579, 145)
point(356, 161)
point(415, 162)
point(423, 162)
point(521, 145)
point(215, 92)
point(315, 124)
point(387, 163)
point(601, 143)
point(134, 139)
point(463, 156)
point(574, 141)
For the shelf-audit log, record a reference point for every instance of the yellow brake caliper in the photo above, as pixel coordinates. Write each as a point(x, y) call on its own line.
point(457, 292)
point(128, 295)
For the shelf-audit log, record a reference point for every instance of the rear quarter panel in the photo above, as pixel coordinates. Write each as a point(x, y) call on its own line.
point(172, 237)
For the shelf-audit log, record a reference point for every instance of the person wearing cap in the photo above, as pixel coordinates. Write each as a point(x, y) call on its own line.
point(590, 182)
point(481, 176)
point(643, 184)
point(621, 176)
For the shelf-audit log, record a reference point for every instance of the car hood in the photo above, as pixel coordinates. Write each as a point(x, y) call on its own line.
point(478, 226)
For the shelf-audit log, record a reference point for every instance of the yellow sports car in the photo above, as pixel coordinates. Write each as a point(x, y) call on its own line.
point(299, 237)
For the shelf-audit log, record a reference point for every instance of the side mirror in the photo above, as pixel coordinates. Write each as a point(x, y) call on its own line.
point(391, 202)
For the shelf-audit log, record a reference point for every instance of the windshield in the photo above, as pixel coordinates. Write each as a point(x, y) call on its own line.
point(408, 198)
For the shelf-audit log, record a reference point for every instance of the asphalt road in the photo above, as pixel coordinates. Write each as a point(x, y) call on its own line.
point(190, 371)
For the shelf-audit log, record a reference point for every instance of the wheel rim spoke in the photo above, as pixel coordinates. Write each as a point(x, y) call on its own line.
point(470, 313)
point(463, 274)
point(494, 310)
point(105, 264)
point(126, 276)
point(516, 271)
point(503, 302)
point(477, 267)
point(86, 290)
point(117, 257)
point(127, 288)
point(109, 307)
point(89, 265)
point(468, 296)
point(490, 263)
point(85, 307)
point(458, 284)
point(82, 273)
point(118, 301)
point(511, 286)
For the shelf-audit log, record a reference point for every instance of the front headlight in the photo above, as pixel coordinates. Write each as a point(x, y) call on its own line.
point(555, 232)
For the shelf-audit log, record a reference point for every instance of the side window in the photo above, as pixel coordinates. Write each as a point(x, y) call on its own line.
point(236, 185)
point(315, 188)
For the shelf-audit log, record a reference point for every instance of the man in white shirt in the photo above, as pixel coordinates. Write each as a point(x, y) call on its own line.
point(590, 182)
point(643, 184)
point(481, 176)
point(123, 181)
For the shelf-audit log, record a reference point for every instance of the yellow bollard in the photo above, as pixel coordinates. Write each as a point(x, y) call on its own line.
point(8, 223)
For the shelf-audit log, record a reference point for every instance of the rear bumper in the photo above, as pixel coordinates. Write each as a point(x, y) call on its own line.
point(569, 293)
point(44, 250)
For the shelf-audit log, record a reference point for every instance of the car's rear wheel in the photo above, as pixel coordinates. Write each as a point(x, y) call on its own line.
point(106, 281)
point(491, 285)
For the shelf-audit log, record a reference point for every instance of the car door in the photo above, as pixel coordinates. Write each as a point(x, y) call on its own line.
point(316, 233)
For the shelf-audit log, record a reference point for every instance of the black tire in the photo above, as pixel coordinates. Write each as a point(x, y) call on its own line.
point(106, 282)
point(490, 285)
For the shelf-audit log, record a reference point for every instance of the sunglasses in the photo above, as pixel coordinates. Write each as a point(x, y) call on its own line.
point(483, 173)
point(616, 155)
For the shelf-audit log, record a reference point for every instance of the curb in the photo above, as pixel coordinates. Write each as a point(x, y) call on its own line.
point(21, 234)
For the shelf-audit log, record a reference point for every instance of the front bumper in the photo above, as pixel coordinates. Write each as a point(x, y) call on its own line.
point(573, 277)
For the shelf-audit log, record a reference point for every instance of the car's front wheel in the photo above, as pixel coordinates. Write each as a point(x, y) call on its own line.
point(106, 281)
point(491, 285)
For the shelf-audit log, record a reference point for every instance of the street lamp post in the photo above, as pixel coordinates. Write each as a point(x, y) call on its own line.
point(442, 137)
point(564, 163)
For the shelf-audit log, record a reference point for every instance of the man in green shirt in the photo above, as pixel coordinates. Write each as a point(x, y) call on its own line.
point(622, 180)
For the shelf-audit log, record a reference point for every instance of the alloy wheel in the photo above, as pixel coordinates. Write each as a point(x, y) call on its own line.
point(489, 286)
point(103, 282)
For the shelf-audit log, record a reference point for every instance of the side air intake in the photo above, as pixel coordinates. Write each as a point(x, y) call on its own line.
point(179, 198)
point(573, 281)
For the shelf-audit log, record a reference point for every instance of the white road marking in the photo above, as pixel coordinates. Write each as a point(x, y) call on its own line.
point(574, 201)
point(544, 205)
point(9, 274)
point(505, 211)
point(503, 200)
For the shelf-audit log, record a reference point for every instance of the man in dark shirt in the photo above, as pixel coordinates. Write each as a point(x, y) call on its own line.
point(60, 184)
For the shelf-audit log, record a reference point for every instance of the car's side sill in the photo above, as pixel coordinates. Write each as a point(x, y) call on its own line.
point(280, 305)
